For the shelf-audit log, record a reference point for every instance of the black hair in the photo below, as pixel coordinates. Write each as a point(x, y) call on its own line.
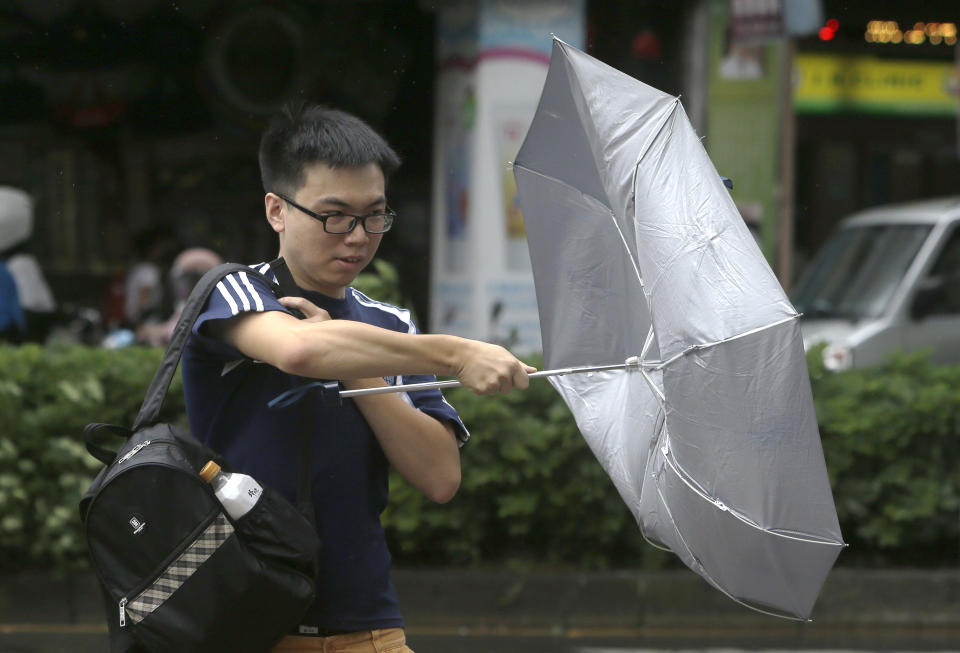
point(306, 134)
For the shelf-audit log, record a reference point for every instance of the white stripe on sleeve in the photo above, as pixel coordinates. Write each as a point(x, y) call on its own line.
point(402, 313)
point(240, 293)
point(253, 291)
point(226, 295)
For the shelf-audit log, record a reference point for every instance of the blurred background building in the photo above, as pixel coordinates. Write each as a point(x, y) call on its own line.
point(122, 115)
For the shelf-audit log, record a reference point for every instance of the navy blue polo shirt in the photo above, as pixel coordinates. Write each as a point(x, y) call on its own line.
point(226, 398)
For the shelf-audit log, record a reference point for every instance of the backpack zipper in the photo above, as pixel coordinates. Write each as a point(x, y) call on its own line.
point(158, 571)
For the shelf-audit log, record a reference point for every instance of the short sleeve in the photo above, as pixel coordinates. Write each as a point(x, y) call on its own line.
point(235, 294)
point(433, 403)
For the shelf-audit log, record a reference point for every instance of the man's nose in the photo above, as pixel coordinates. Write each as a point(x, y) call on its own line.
point(358, 235)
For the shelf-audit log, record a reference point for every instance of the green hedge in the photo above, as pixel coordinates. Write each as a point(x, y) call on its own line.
point(891, 437)
point(47, 396)
point(532, 492)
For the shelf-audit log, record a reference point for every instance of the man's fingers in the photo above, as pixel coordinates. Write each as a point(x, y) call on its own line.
point(520, 379)
point(310, 310)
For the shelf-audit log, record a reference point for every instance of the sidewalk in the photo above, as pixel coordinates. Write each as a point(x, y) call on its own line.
point(857, 609)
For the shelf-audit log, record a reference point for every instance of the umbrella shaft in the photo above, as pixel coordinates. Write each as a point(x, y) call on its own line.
point(412, 387)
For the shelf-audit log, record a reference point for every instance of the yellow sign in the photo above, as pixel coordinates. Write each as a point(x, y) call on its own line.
point(825, 84)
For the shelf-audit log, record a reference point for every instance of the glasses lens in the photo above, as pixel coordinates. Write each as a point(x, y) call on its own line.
point(339, 224)
point(377, 223)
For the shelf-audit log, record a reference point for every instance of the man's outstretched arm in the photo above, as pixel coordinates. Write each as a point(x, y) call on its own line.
point(342, 349)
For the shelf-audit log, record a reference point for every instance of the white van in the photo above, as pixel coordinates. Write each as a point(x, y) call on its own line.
point(887, 280)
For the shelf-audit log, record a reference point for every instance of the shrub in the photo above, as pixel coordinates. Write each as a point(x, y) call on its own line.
point(891, 437)
point(532, 492)
point(47, 396)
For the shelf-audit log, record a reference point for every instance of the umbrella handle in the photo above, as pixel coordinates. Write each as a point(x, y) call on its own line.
point(630, 364)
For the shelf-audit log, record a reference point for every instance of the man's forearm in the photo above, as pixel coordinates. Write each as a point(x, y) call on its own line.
point(422, 449)
point(337, 349)
point(342, 349)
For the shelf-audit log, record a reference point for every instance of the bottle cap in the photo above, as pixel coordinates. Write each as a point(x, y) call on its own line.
point(209, 470)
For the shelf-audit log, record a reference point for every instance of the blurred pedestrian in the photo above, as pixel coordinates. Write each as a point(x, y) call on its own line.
point(11, 313)
point(37, 306)
point(185, 272)
point(153, 247)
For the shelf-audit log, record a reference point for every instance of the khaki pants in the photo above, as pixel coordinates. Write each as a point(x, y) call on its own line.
point(387, 640)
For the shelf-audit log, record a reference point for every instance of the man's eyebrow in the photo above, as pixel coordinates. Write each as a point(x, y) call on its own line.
point(336, 201)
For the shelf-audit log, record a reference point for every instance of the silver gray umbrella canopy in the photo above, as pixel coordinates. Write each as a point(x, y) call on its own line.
point(638, 250)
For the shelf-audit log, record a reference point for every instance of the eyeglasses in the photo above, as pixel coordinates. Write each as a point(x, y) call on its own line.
point(338, 222)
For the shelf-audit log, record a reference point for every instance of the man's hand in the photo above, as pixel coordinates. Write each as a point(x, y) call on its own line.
point(311, 312)
point(490, 369)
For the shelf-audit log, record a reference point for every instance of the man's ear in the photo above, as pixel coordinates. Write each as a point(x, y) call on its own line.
point(274, 209)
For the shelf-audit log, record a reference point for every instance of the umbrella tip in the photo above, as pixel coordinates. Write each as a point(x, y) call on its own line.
point(727, 182)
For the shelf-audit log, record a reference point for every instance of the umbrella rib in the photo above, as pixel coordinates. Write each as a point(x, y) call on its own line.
point(613, 216)
point(654, 445)
point(653, 386)
point(659, 365)
point(626, 248)
point(703, 570)
point(683, 476)
point(653, 136)
point(561, 182)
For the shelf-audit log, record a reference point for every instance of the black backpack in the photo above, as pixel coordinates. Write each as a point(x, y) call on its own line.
point(177, 573)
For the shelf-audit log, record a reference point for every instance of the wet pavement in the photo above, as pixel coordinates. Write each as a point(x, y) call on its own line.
point(456, 611)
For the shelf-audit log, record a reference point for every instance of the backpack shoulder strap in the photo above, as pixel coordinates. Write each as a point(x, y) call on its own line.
point(304, 502)
point(194, 305)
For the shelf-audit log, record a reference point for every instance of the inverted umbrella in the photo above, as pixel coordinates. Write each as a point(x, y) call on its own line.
point(676, 349)
point(637, 248)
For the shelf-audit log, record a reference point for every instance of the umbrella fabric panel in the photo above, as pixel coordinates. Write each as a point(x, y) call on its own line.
point(762, 569)
point(741, 422)
point(620, 116)
point(601, 403)
point(704, 275)
point(556, 145)
point(591, 305)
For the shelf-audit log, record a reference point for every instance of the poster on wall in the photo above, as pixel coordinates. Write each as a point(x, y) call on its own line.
point(493, 59)
point(511, 125)
point(458, 127)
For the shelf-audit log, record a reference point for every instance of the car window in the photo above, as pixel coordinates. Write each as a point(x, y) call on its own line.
point(858, 270)
point(944, 277)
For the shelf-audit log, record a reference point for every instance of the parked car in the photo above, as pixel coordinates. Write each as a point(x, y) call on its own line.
point(887, 280)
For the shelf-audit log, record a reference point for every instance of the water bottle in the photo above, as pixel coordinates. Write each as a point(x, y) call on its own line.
point(237, 492)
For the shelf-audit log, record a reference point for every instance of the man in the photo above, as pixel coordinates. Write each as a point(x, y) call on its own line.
point(324, 173)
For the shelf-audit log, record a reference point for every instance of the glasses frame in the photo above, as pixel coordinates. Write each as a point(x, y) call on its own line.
point(390, 214)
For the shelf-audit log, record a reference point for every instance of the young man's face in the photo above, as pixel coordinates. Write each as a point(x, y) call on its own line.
point(321, 261)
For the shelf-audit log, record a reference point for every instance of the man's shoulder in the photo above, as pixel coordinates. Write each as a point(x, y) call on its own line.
point(382, 313)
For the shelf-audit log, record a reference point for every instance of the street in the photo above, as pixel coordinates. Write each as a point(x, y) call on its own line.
point(57, 638)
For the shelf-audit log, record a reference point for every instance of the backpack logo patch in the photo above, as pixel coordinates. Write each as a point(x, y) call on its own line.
point(137, 524)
